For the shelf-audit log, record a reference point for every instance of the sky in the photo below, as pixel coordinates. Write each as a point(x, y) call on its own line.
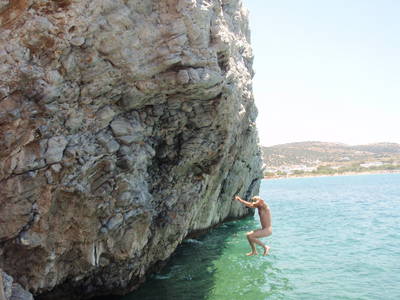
point(326, 70)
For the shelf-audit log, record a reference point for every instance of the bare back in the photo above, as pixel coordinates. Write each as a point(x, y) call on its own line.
point(265, 215)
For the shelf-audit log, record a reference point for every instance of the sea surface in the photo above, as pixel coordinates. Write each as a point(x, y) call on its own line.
point(333, 238)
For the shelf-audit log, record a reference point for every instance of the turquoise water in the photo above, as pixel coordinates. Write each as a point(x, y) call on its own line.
point(334, 238)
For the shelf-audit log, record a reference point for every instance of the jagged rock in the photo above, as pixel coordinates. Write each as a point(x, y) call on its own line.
point(55, 149)
point(77, 41)
point(121, 127)
point(108, 142)
point(10, 290)
point(124, 127)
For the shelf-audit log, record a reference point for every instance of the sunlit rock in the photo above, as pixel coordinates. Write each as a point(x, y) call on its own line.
point(124, 127)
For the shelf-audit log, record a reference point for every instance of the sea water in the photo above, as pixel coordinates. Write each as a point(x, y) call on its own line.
point(333, 238)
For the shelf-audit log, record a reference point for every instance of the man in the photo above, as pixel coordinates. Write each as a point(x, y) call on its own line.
point(266, 225)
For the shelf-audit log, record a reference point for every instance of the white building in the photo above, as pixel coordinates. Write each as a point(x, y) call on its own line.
point(372, 164)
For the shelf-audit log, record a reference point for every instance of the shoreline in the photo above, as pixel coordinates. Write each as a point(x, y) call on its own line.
point(336, 174)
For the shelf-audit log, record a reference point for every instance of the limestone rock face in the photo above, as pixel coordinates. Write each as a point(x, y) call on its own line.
point(125, 125)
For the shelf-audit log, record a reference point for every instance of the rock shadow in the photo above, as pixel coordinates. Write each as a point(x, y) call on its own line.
point(189, 273)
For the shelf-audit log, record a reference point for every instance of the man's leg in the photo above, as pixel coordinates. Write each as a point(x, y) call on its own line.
point(258, 234)
point(253, 247)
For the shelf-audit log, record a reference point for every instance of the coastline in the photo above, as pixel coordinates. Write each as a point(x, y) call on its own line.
point(336, 174)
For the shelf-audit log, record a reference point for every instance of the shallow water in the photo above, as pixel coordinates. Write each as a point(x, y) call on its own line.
point(334, 238)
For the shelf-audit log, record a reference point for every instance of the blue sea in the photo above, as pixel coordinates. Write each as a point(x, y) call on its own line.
point(333, 238)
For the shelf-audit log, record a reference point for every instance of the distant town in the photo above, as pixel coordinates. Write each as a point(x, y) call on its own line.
point(320, 158)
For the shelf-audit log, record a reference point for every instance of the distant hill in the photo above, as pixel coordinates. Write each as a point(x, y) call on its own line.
point(380, 148)
point(314, 154)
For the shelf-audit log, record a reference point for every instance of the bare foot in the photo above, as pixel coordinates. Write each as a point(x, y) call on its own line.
point(251, 253)
point(266, 250)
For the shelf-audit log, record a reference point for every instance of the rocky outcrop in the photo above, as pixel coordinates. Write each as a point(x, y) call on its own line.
point(11, 290)
point(125, 125)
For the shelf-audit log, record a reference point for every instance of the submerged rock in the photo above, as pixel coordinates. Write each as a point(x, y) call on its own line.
point(124, 127)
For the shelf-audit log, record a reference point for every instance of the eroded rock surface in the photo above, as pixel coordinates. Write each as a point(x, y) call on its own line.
point(124, 126)
point(11, 290)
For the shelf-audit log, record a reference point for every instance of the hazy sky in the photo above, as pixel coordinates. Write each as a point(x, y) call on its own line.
point(326, 70)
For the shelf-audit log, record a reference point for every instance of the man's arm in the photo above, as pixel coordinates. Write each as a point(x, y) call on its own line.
point(248, 204)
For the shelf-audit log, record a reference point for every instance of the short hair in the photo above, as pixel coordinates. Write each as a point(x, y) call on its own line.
point(256, 198)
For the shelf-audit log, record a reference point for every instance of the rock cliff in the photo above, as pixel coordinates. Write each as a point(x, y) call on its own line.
point(125, 125)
